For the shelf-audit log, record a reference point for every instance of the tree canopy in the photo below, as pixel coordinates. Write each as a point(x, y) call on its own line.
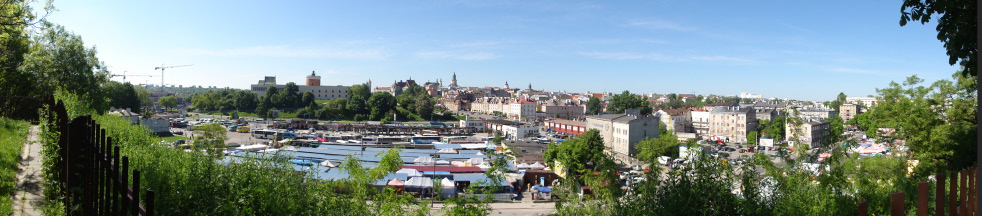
point(625, 100)
point(957, 27)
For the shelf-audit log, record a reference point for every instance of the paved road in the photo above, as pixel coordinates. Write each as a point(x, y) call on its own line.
point(28, 195)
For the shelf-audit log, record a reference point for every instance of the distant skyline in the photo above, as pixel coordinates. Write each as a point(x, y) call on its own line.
point(798, 50)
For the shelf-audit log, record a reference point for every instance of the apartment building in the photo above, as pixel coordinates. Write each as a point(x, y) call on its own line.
point(621, 132)
point(732, 124)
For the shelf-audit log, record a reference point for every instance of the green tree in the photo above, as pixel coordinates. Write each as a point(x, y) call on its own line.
point(307, 100)
point(211, 139)
point(836, 128)
point(626, 100)
point(937, 121)
point(666, 144)
point(424, 106)
point(122, 95)
point(61, 61)
point(752, 138)
point(168, 101)
point(291, 95)
point(16, 42)
point(577, 151)
point(593, 106)
point(357, 98)
point(956, 27)
point(262, 109)
point(245, 101)
point(380, 103)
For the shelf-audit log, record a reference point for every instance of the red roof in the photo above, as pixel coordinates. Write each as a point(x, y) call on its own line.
point(452, 169)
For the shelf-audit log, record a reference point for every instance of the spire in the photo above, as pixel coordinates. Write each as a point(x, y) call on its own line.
point(313, 73)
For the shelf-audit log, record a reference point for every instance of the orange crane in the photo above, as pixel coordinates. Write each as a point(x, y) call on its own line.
point(162, 68)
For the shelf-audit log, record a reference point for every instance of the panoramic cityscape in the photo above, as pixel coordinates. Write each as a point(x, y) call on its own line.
point(488, 108)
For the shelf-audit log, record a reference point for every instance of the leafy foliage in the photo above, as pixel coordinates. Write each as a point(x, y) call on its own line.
point(626, 100)
point(937, 121)
point(956, 27)
point(577, 151)
point(593, 106)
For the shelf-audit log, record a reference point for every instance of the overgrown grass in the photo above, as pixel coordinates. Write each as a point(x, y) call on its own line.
point(189, 183)
point(13, 135)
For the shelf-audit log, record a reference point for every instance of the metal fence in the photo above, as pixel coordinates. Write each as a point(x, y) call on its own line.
point(960, 200)
point(94, 178)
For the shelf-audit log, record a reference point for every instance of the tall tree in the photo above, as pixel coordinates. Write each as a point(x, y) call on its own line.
point(666, 144)
point(937, 121)
point(424, 106)
point(168, 101)
point(380, 103)
point(593, 106)
point(307, 100)
point(626, 100)
point(957, 27)
point(61, 62)
point(291, 95)
point(575, 153)
point(245, 101)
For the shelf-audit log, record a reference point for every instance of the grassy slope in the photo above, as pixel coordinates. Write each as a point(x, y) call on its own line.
point(12, 138)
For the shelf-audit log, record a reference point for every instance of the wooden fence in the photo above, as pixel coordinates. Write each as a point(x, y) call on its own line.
point(960, 199)
point(94, 178)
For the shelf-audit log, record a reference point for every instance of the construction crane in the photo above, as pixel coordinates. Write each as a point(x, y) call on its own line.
point(162, 68)
point(124, 75)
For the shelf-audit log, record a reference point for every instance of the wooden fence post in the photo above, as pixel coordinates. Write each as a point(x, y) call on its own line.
point(939, 194)
point(135, 206)
point(971, 191)
point(862, 209)
point(897, 203)
point(962, 193)
point(149, 201)
point(953, 194)
point(922, 196)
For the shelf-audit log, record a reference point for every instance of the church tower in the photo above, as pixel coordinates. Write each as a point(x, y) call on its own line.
point(506, 85)
point(453, 80)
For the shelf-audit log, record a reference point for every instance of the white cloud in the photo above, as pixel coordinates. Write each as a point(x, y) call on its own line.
point(664, 57)
point(288, 51)
point(457, 55)
point(660, 24)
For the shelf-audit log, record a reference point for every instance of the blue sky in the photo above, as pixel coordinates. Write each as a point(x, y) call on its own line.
point(809, 50)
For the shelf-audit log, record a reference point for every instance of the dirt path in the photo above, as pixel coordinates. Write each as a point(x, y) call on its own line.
point(28, 194)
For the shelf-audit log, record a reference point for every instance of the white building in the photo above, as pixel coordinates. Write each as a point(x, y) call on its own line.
point(157, 125)
point(700, 122)
point(621, 132)
point(471, 123)
point(512, 130)
point(866, 102)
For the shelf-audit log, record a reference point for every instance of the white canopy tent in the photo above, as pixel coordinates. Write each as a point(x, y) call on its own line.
point(419, 184)
point(448, 188)
point(537, 165)
point(410, 172)
point(447, 151)
point(423, 160)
